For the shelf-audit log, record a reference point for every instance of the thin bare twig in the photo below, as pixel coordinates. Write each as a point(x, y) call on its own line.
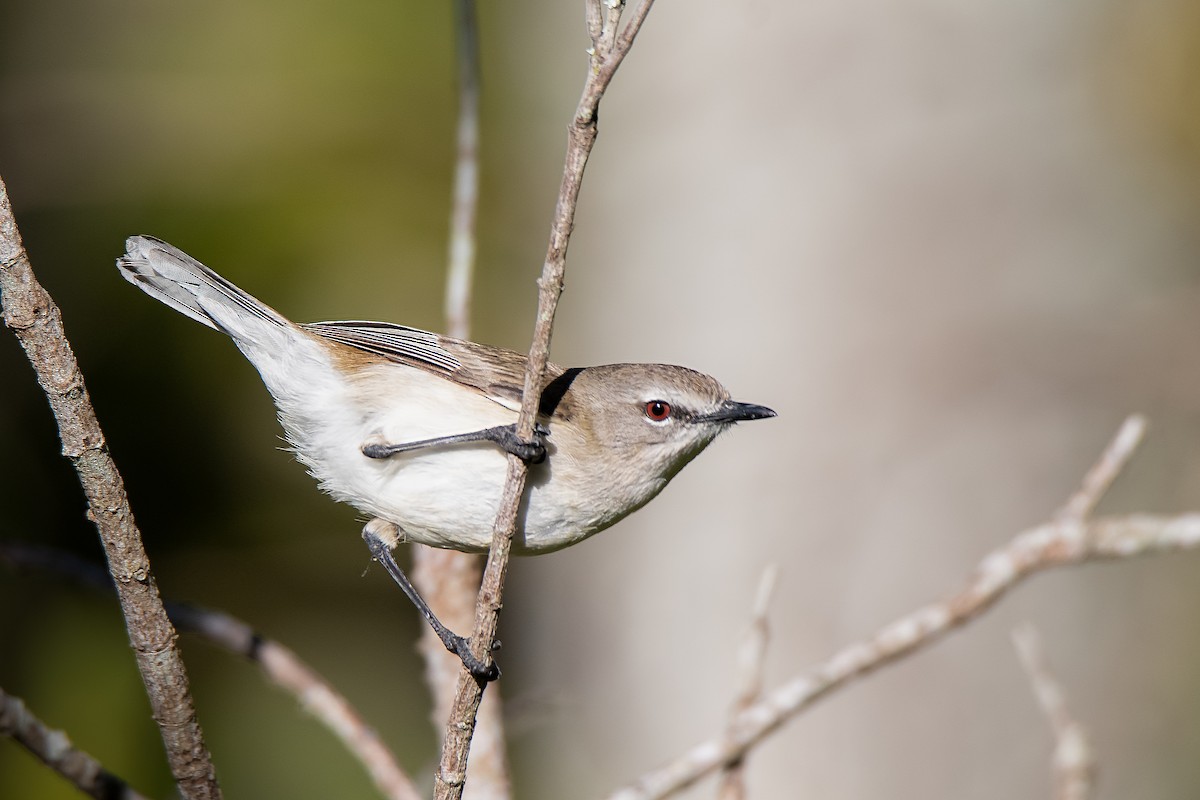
point(283, 667)
point(466, 174)
point(1041, 548)
point(751, 662)
point(37, 323)
point(581, 134)
point(1106, 470)
point(55, 749)
point(1060, 543)
point(279, 663)
point(1074, 763)
point(446, 579)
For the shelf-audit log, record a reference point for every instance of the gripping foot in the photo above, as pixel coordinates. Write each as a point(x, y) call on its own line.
point(483, 670)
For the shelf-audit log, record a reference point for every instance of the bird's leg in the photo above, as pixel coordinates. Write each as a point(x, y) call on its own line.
point(504, 436)
point(381, 551)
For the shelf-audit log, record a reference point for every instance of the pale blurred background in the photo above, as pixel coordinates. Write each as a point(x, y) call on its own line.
point(952, 246)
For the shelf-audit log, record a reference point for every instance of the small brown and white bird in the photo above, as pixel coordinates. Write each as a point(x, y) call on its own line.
point(411, 427)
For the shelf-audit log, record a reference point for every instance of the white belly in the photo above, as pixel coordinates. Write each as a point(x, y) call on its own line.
point(444, 496)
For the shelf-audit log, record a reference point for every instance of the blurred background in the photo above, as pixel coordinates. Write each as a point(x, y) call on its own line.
point(953, 247)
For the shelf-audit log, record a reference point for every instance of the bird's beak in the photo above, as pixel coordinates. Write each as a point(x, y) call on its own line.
point(733, 411)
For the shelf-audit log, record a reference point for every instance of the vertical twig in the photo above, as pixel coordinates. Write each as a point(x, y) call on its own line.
point(466, 174)
point(751, 661)
point(449, 580)
point(54, 748)
point(37, 323)
point(1074, 764)
point(603, 63)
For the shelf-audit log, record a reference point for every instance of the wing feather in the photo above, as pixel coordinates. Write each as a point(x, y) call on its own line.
point(395, 342)
point(494, 372)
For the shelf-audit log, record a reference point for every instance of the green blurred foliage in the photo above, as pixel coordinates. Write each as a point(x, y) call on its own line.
point(305, 150)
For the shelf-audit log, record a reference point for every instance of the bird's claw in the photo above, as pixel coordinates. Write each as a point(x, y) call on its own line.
point(531, 451)
point(483, 671)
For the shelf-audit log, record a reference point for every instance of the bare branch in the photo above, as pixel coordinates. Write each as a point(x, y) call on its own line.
point(1041, 548)
point(55, 749)
point(279, 663)
point(1105, 471)
point(611, 21)
point(37, 323)
point(632, 27)
point(446, 579)
point(751, 660)
point(466, 175)
point(451, 772)
point(1074, 763)
point(287, 670)
point(594, 19)
point(1070, 539)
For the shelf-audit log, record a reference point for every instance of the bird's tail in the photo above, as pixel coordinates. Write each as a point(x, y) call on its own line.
point(170, 275)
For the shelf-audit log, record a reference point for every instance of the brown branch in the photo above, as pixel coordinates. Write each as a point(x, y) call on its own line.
point(1067, 540)
point(581, 135)
point(1074, 763)
point(55, 749)
point(751, 661)
point(449, 581)
point(279, 663)
point(37, 323)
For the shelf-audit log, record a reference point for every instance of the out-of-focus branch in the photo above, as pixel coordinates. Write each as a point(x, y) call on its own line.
point(55, 749)
point(287, 670)
point(37, 323)
point(1068, 540)
point(446, 579)
point(465, 201)
point(1035, 550)
point(581, 136)
point(279, 663)
point(1105, 470)
point(751, 661)
point(1074, 763)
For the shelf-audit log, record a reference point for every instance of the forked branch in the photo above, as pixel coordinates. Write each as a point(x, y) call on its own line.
point(1070, 539)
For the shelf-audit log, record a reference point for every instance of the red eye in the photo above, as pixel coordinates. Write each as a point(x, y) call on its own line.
point(658, 410)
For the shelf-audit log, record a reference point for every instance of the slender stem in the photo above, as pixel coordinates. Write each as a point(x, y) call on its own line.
point(466, 175)
point(283, 667)
point(451, 773)
point(37, 322)
point(448, 580)
point(54, 748)
point(1069, 539)
point(279, 664)
point(1035, 550)
point(751, 663)
point(1074, 763)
